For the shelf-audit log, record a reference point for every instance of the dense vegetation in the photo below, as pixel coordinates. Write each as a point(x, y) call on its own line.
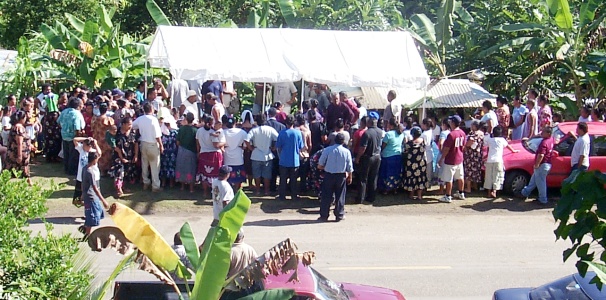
point(36, 265)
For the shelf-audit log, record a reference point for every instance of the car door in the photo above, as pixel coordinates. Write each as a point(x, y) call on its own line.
point(560, 162)
point(597, 156)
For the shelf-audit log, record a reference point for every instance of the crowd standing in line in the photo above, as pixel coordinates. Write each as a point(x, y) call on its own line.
point(190, 134)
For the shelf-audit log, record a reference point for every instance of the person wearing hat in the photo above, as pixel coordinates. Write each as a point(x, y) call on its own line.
point(337, 164)
point(369, 159)
point(222, 192)
point(117, 94)
point(452, 159)
point(190, 105)
point(518, 117)
point(168, 159)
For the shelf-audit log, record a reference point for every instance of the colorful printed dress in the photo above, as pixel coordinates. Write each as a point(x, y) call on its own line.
point(472, 157)
point(52, 136)
point(12, 158)
point(125, 171)
point(316, 175)
point(168, 159)
point(415, 169)
point(544, 117)
point(100, 125)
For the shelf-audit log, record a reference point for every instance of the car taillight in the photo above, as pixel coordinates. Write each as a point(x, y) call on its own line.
point(399, 295)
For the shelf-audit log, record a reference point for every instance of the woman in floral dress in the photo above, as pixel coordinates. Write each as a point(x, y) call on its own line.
point(472, 157)
point(100, 125)
point(52, 136)
point(168, 159)
point(125, 156)
point(316, 175)
point(503, 113)
point(545, 115)
point(415, 169)
point(19, 146)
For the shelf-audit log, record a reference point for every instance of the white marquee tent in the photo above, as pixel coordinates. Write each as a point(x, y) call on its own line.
point(350, 58)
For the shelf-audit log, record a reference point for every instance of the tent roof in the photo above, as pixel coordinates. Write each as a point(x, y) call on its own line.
point(455, 93)
point(351, 58)
point(7, 59)
point(375, 98)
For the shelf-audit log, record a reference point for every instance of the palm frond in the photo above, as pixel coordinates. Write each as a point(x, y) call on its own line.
point(536, 73)
point(101, 290)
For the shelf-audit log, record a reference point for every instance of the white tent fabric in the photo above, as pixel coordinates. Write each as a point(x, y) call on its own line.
point(351, 58)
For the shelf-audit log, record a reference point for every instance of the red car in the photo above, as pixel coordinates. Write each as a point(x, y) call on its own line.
point(311, 286)
point(519, 166)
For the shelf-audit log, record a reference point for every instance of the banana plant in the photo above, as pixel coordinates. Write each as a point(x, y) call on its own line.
point(142, 244)
point(94, 51)
point(435, 38)
point(563, 40)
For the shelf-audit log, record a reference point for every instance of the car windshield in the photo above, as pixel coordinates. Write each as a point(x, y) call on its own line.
point(328, 289)
point(532, 144)
point(566, 288)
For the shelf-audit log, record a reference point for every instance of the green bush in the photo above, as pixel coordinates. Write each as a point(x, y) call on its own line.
point(35, 265)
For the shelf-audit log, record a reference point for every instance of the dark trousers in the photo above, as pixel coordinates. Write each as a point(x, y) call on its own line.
point(578, 167)
point(275, 171)
point(369, 170)
point(333, 185)
point(303, 173)
point(288, 174)
point(70, 158)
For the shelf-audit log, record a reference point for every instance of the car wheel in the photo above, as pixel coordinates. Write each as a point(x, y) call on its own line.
point(515, 181)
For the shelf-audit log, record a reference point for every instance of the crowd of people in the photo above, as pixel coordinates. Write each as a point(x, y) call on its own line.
point(192, 134)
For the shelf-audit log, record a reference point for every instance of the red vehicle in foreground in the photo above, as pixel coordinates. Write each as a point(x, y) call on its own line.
point(311, 286)
point(519, 166)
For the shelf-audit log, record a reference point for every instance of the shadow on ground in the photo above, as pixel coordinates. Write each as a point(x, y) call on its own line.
point(279, 223)
point(59, 221)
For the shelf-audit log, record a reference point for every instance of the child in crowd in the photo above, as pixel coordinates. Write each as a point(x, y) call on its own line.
point(110, 136)
point(92, 197)
point(218, 131)
point(6, 124)
point(84, 146)
point(280, 116)
point(222, 192)
point(495, 171)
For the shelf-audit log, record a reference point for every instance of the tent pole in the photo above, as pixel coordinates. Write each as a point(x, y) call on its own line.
point(264, 95)
point(424, 100)
point(302, 95)
point(145, 79)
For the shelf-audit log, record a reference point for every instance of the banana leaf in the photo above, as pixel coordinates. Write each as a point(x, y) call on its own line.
point(287, 8)
point(75, 22)
point(215, 260)
point(560, 10)
point(232, 216)
point(277, 294)
point(156, 13)
point(190, 244)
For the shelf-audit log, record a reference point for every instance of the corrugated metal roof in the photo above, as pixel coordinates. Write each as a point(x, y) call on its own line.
point(375, 98)
point(455, 93)
point(7, 59)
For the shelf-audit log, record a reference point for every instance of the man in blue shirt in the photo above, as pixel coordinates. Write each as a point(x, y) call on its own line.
point(72, 124)
point(337, 164)
point(289, 145)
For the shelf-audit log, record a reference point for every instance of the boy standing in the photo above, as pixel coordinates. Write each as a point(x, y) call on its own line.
point(222, 192)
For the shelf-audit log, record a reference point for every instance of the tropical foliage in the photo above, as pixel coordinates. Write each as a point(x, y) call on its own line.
point(36, 265)
point(144, 246)
point(581, 213)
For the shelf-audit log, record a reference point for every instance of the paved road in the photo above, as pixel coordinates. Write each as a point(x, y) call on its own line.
point(433, 255)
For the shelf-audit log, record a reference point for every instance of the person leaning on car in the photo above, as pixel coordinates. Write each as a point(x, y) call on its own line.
point(579, 159)
point(542, 166)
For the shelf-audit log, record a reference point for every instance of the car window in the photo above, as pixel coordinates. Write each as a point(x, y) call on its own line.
point(565, 146)
point(599, 146)
point(533, 144)
point(566, 288)
point(328, 289)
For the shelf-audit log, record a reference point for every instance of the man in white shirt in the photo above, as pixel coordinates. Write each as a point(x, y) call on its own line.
point(490, 117)
point(579, 159)
point(585, 115)
point(260, 140)
point(190, 105)
point(42, 97)
point(151, 147)
point(285, 93)
point(234, 152)
point(177, 91)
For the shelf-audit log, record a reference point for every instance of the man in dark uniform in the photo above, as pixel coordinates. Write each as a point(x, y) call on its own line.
point(369, 159)
point(338, 168)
